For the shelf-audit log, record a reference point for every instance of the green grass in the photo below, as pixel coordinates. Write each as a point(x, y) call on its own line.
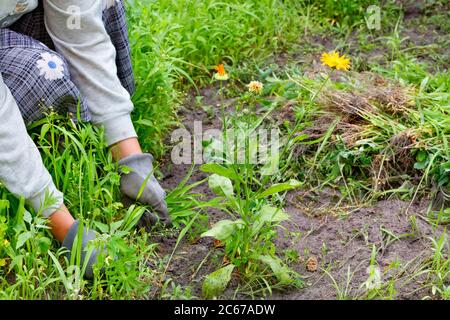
point(175, 45)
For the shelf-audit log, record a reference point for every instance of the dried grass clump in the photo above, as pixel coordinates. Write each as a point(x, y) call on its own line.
point(381, 98)
point(397, 160)
point(363, 111)
point(353, 106)
point(402, 143)
point(394, 100)
point(350, 133)
point(375, 94)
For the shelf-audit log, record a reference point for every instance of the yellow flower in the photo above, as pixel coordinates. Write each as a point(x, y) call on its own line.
point(107, 259)
point(343, 63)
point(255, 87)
point(329, 59)
point(334, 60)
point(5, 242)
point(221, 74)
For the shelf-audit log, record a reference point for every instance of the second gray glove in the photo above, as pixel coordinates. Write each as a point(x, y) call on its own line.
point(87, 236)
point(141, 177)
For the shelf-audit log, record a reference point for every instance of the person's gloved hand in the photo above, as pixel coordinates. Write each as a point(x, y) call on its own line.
point(141, 177)
point(86, 237)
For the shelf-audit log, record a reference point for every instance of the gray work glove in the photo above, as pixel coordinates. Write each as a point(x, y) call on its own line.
point(141, 174)
point(87, 236)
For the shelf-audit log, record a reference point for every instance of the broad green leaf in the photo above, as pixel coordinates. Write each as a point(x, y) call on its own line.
point(220, 185)
point(272, 214)
point(44, 244)
point(446, 166)
point(421, 156)
point(22, 238)
point(19, 213)
point(44, 130)
point(145, 122)
point(216, 282)
point(223, 229)
point(300, 137)
point(281, 271)
point(279, 187)
point(115, 226)
point(104, 228)
point(421, 165)
point(218, 169)
point(17, 261)
point(27, 217)
point(268, 214)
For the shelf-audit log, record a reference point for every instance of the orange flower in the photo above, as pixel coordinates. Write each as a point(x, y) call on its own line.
point(220, 69)
point(221, 73)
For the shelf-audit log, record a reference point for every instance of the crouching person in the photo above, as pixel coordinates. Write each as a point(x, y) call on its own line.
point(82, 69)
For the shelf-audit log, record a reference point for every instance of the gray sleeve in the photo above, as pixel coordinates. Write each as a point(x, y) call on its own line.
point(92, 63)
point(21, 167)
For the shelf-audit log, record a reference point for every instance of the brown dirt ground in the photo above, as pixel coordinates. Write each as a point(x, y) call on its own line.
point(343, 242)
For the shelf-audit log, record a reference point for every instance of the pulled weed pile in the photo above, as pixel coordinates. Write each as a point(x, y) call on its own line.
point(390, 137)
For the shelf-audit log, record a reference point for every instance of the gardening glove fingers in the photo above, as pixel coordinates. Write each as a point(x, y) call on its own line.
point(149, 218)
point(141, 185)
point(87, 235)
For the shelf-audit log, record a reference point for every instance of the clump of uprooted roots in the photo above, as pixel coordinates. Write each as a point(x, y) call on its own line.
point(390, 167)
point(352, 106)
point(377, 98)
point(394, 99)
point(375, 94)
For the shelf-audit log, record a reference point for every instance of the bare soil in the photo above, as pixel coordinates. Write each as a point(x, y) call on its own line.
point(342, 243)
